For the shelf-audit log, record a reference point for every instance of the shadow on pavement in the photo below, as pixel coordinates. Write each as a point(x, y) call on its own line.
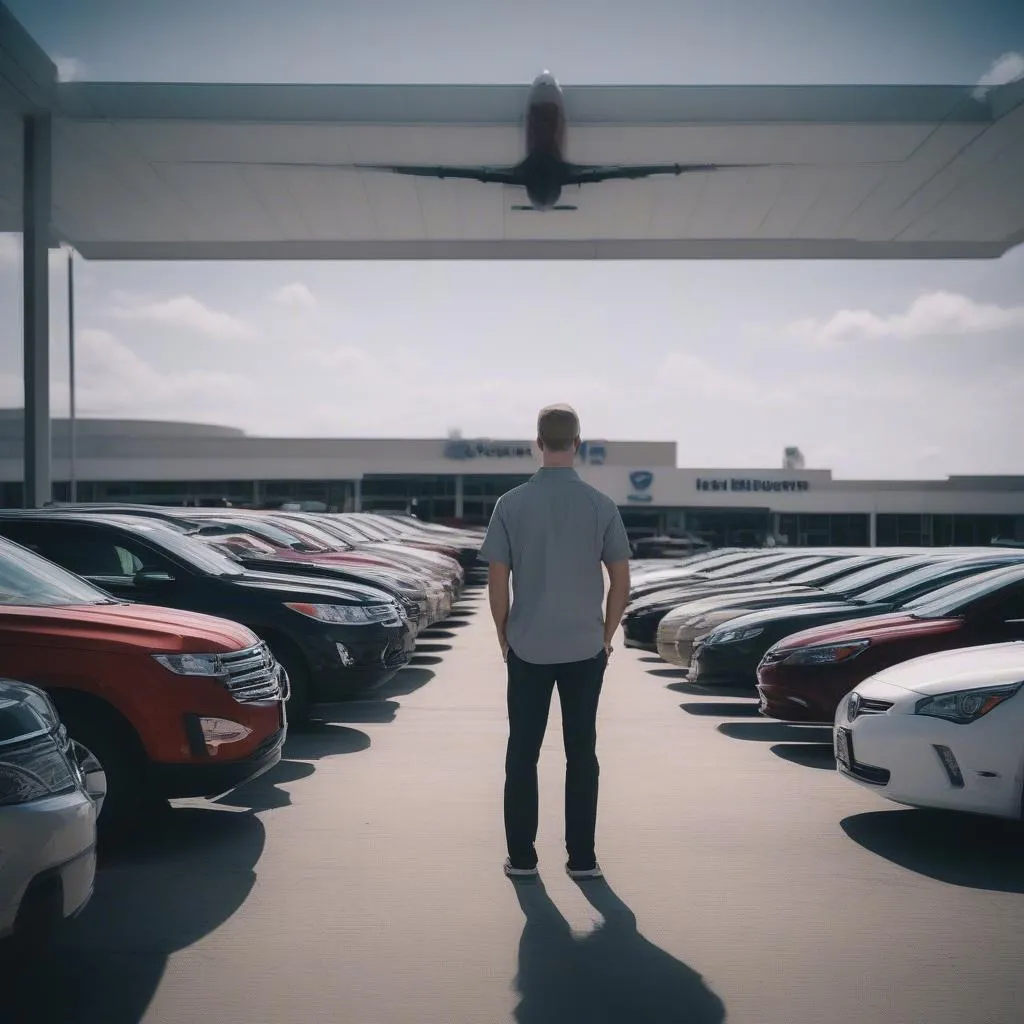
point(696, 690)
point(652, 659)
point(611, 976)
point(324, 739)
point(157, 893)
point(409, 680)
point(734, 709)
point(263, 794)
point(667, 673)
point(810, 755)
point(960, 849)
point(437, 634)
point(425, 659)
point(372, 711)
point(777, 732)
point(456, 623)
point(430, 648)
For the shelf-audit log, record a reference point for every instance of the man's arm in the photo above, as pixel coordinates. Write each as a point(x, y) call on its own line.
point(496, 550)
point(618, 598)
point(498, 595)
point(615, 554)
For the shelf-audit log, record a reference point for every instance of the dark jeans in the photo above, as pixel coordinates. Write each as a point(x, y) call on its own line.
point(529, 700)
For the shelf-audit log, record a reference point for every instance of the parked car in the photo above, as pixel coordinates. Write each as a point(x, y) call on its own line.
point(804, 677)
point(828, 582)
point(730, 652)
point(51, 793)
point(641, 619)
point(172, 703)
point(944, 730)
point(334, 640)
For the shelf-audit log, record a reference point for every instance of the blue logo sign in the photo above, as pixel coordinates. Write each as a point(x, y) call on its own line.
point(641, 480)
point(457, 448)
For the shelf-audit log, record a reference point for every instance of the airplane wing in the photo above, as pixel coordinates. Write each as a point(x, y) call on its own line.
point(501, 175)
point(587, 174)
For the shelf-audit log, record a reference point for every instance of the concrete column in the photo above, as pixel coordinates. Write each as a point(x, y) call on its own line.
point(357, 496)
point(460, 502)
point(873, 530)
point(36, 234)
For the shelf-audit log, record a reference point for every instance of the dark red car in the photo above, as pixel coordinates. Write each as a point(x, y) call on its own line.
point(805, 676)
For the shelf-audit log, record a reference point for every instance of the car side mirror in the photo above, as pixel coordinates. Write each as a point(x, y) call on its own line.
point(94, 778)
point(151, 576)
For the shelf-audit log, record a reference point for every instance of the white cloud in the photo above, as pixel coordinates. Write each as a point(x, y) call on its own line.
point(936, 313)
point(1003, 70)
point(187, 312)
point(295, 296)
point(351, 359)
point(69, 69)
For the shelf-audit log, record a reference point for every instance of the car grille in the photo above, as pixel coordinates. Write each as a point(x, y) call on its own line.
point(253, 674)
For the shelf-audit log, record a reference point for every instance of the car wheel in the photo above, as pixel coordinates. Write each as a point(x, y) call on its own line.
point(115, 745)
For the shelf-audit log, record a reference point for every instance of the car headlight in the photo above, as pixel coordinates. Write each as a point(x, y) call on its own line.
point(829, 654)
point(350, 614)
point(734, 636)
point(965, 706)
point(33, 770)
point(192, 664)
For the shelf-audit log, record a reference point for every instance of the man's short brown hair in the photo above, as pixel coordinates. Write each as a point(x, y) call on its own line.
point(558, 426)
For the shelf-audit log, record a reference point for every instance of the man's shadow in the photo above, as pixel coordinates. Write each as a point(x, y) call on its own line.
point(611, 976)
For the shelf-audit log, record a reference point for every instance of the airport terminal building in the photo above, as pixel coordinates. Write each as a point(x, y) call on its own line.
point(458, 480)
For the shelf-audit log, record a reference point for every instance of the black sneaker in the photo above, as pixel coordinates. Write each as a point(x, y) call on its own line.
point(580, 874)
point(514, 872)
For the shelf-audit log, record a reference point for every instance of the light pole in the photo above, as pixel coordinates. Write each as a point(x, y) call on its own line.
point(72, 431)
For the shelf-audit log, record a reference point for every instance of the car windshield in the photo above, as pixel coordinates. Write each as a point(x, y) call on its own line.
point(367, 527)
point(275, 533)
point(29, 579)
point(314, 533)
point(939, 575)
point(949, 601)
point(874, 575)
point(830, 570)
point(188, 549)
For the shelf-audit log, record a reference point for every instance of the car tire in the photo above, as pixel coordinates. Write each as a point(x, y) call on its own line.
point(116, 746)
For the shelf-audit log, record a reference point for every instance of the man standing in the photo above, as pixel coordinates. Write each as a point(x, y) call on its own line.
point(550, 536)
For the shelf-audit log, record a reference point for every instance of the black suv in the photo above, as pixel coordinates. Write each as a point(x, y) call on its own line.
point(335, 640)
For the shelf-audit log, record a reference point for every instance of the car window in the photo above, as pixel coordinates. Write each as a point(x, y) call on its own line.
point(830, 570)
point(935, 575)
point(953, 599)
point(874, 575)
point(28, 577)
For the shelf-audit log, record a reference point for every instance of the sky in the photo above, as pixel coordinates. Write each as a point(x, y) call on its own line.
point(897, 369)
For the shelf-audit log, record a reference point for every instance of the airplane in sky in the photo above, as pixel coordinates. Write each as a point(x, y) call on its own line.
point(544, 172)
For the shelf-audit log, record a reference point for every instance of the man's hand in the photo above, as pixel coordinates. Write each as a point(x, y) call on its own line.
point(504, 648)
point(608, 649)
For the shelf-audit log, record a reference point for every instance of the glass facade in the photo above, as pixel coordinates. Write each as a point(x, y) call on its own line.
point(810, 531)
point(431, 498)
point(937, 530)
point(481, 493)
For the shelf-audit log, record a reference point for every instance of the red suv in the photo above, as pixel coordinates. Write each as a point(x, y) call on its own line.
point(172, 703)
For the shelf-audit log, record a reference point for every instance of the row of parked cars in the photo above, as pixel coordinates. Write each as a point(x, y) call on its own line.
point(912, 656)
point(155, 653)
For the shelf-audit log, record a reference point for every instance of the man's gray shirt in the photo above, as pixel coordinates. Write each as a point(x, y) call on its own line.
point(554, 532)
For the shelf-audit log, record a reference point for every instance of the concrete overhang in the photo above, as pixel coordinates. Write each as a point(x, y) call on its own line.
point(148, 171)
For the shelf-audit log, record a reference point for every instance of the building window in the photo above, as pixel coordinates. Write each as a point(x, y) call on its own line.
point(819, 530)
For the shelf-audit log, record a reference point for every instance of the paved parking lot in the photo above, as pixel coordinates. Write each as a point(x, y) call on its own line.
point(361, 881)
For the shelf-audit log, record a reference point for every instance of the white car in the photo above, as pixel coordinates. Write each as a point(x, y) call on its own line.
point(51, 793)
point(944, 730)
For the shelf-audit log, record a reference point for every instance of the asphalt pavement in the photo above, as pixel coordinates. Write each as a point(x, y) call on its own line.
point(361, 881)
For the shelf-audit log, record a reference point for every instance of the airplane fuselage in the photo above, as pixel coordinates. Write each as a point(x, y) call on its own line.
point(545, 142)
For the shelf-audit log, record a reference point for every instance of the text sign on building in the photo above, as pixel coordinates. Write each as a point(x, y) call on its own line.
point(746, 484)
point(591, 452)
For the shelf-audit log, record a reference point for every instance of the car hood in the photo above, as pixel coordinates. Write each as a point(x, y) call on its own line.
point(120, 627)
point(749, 599)
point(895, 626)
point(311, 588)
point(969, 668)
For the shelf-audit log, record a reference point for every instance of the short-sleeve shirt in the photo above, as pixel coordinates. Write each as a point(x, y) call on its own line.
point(554, 532)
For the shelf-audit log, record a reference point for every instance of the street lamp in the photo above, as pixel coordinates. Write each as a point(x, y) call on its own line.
point(72, 426)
